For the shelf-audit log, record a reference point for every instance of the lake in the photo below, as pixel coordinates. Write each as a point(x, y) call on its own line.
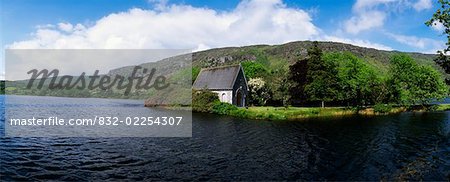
point(414, 146)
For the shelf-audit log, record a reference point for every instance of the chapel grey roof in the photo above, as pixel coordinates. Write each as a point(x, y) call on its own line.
point(218, 78)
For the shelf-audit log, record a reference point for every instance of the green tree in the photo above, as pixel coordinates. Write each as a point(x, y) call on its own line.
point(254, 69)
point(430, 85)
point(283, 91)
point(356, 79)
point(442, 16)
point(278, 85)
point(322, 79)
point(444, 62)
point(414, 84)
point(298, 77)
point(402, 78)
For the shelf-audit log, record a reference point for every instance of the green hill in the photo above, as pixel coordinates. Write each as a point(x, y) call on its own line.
point(276, 56)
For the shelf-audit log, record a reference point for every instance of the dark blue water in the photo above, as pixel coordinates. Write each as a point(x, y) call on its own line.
point(408, 146)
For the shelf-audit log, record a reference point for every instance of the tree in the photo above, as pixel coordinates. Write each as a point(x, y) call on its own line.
point(356, 79)
point(283, 93)
point(402, 78)
point(298, 77)
point(430, 85)
point(254, 69)
point(442, 17)
point(443, 61)
point(278, 85)
point(322, 80)
point(415, 84)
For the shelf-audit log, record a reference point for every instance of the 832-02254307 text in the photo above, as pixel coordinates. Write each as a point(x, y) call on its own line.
point(98, 121)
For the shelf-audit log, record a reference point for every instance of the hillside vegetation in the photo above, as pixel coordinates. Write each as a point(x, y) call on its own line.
point(281, 56)
point(351, 75)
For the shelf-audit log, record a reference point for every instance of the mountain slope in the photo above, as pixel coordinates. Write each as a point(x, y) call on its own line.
point(286, 54)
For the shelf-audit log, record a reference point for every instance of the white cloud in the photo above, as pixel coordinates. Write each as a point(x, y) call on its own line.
point(366, 16)
point(182, 26)
point(357, 42)
point(438, 26)
point(175, 26)
point(159, 4)
point(67, 27)
point(365, 21)
point(171, 27)
point(425, 44)
point(371, 14)
point(422, 5)
point(412, 41)
point(362, 5)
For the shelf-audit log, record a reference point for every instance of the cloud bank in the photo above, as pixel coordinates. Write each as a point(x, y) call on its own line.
point(177, 26)
point(182, 26)
point(420, 43)
point(371, 14)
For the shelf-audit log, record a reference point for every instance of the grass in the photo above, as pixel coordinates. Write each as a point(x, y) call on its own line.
point(443, 107)
point(291, 113)
point(296, 113)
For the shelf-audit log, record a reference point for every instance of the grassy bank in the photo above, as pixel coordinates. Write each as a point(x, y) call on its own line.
point(443, 107)
point(208, 102)
point(295, 113)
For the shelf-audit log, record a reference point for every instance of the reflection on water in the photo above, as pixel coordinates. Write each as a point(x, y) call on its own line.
point(405, 146)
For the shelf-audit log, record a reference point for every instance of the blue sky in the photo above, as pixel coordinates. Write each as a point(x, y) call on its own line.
point(200, 25)
point(402, 27)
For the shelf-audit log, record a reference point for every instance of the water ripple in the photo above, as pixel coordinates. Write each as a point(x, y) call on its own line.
point(398, 147)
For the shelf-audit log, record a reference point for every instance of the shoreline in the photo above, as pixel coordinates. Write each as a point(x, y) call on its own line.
point(300, 113)
point(291, 113)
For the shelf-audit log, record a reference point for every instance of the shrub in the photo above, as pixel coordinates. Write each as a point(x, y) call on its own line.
point(203, 100)
point(223, 108)
point(259, 92)
point(382, 108)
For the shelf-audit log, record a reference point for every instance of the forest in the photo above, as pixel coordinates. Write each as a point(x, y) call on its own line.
point(342, 79)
